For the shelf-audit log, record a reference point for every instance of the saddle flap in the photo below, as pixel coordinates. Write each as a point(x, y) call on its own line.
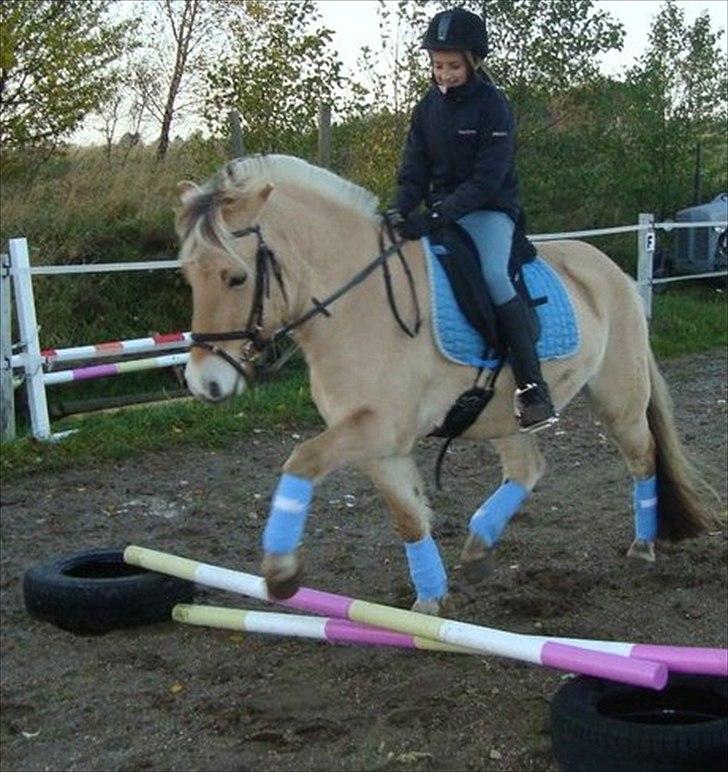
point(458, 256)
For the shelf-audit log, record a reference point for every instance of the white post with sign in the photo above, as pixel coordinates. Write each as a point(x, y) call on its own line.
point(645, 257)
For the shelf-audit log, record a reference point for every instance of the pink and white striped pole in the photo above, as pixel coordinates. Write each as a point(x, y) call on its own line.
point(114, 368)
point(300, 626)
point(159, 342)
point(528, 648)
point(677, 658)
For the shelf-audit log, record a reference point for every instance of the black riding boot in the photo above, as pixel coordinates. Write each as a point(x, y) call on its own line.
point(533, 406)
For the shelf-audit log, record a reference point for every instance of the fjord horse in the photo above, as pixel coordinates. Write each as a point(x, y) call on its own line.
point(275, 245)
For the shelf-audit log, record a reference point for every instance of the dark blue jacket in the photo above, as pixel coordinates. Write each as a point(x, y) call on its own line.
point(460, 153)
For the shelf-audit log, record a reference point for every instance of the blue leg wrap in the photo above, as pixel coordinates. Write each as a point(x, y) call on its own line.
point(644, 502)
point(426, 569)
point(489, 522)
point(288, 513)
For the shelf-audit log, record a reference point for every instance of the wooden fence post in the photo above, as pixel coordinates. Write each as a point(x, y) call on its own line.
point(237, 145)
point(28, 332)
point(7, 398)
point(324, 135)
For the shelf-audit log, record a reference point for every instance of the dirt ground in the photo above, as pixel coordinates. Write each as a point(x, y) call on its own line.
point(173, 697)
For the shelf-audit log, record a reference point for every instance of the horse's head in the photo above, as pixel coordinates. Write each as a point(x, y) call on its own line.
point(221, 252)
point(237, 241)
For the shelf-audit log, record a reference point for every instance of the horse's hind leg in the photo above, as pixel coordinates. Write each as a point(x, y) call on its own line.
point(523, 466)
point(398, 480)
point(620, 394)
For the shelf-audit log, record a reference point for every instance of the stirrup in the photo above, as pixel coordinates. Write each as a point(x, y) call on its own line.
point(533, 408)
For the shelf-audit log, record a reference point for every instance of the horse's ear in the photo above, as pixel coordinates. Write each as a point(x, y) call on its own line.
point(186, 189)
point(266, 191)
point(253, 203)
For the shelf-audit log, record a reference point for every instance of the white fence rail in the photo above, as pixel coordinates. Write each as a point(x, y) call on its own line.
point(31, 360)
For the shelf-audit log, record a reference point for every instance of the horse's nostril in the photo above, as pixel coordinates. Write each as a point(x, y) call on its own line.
point(214, 389)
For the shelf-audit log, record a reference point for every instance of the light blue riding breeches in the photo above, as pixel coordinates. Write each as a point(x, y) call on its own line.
point(492, 233)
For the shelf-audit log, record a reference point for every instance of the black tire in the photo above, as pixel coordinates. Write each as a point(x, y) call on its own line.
point(95, 591)
point(602, 726)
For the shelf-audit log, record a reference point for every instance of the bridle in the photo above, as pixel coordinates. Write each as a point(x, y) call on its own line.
point(267, 264)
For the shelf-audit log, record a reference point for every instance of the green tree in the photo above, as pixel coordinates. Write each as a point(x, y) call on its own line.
point(182, 38)
point(282, 67)
point(390, 78)
point(676, 106)
point(56, 57)
point(542, 53)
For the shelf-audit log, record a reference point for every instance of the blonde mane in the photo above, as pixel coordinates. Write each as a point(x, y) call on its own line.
point(201, 217)
point(287, 169)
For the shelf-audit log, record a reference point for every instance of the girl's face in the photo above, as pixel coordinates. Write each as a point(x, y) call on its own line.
point(449, 69)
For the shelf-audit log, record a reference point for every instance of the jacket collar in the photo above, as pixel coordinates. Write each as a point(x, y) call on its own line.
point(459, 93)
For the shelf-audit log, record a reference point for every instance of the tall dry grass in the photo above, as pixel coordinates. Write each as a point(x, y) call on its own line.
point(90, 206)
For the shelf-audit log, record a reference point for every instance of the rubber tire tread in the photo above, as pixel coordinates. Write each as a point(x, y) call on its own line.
point(85, 604)
point(585, 740)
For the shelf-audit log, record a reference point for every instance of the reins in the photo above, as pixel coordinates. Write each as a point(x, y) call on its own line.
point(267, 263)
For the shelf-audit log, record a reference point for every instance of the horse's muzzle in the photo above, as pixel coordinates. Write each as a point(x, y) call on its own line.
point(213, 380)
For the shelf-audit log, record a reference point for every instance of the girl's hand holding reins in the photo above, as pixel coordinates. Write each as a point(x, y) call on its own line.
point(419, 224)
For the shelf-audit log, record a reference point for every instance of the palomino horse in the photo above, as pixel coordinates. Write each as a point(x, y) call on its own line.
point(265, 246)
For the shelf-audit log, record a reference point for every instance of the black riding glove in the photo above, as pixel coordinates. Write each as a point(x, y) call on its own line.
point(419, 224)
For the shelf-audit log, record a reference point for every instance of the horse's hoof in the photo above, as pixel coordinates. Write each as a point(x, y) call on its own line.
point(283, 590)
point(283, 574)
point(475, 560)
point(475, 571)
point(642, 550)
point(434, 608)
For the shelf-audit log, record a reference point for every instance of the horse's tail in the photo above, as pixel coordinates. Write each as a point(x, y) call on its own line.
point(680, 488)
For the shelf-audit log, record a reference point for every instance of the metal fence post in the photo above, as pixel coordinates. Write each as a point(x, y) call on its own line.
point(28, 332)
point(7, 397)
point(645, 254)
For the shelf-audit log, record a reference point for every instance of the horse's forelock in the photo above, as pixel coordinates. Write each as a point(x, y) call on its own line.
point(201, 222)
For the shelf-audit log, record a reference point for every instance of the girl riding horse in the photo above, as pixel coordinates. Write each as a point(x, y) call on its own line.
point(460, 158)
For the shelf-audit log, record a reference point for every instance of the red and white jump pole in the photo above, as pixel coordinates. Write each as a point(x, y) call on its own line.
point(153, 343)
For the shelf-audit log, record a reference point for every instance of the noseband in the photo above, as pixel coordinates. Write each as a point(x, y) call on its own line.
point(266, 264)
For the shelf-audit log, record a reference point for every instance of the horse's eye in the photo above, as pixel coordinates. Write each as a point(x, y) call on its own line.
point(237, 280)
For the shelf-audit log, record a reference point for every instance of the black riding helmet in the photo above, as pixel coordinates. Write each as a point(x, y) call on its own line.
point(457, 30)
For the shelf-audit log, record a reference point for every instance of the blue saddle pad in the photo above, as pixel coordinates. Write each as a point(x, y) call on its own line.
point(458, 341)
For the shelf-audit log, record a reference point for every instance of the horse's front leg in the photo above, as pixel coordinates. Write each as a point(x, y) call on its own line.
point(523, 466)
point(398, 480)
point(362, 435)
